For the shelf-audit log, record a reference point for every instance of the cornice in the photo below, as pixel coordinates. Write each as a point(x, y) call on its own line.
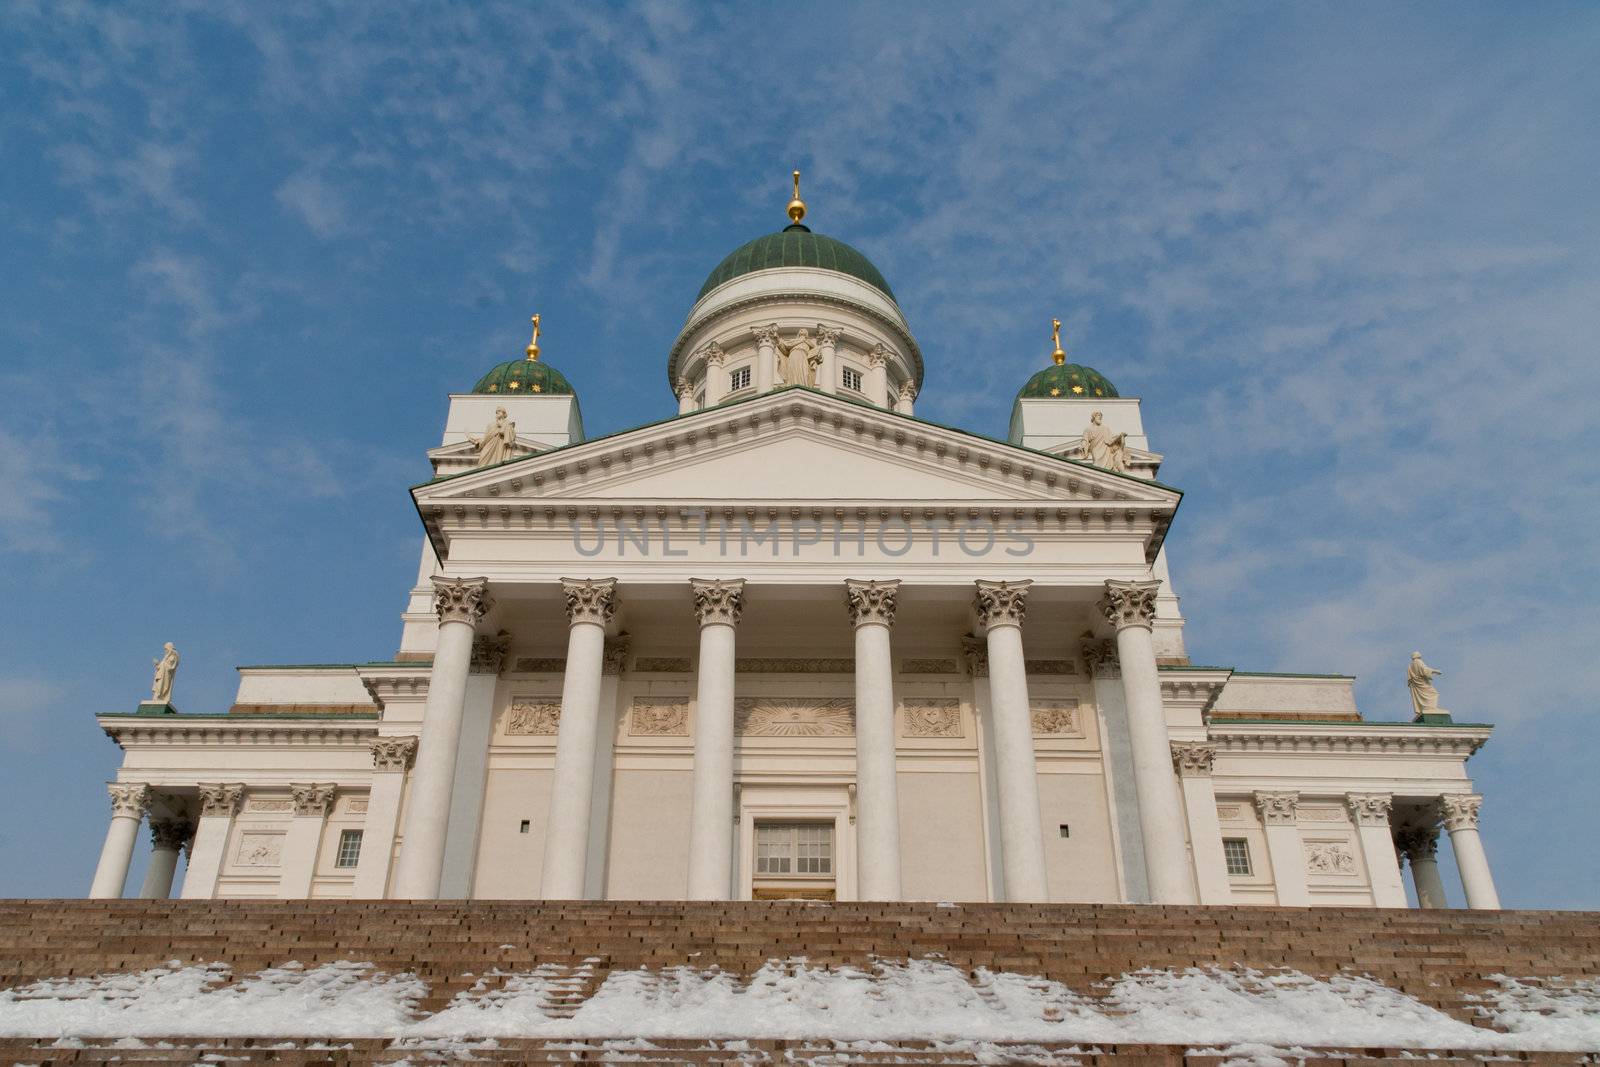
point(515, 494)
point(1394, 739)
point(129, 731)
point(389, 681)
point(1194, 688)
point(694, 324)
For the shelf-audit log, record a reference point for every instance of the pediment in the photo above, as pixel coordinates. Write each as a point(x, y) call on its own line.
point(796, 445)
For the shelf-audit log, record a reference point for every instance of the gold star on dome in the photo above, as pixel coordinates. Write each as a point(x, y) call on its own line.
point(513, 385)
point(1055, 390)
point(538, 388)
point(1077, 388)
point(494, 388)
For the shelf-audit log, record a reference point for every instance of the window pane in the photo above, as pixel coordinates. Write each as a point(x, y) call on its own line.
point(1236, 852)
point(349, 849)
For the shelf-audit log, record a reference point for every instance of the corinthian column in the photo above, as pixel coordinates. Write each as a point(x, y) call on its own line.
point(1193, 761)
point(461, 603)
point(827, 348)
point(766, 357)
point(391, 758)
point(719, 605)
point(128, 803)
point(905, 402)
point(167, 838)
point(684, 388)
point(716, 377)
point(872, 606)
point(590, 606)
point(312, 802)
point(1000, 608)
point(1280, 816)
point(878, 375)
point(219, 803)
point(1420, 845)
point(1370, 813)
point(1460, 814)
point(1131, 608)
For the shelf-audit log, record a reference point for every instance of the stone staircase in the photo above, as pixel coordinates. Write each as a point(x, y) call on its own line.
point(1440, 958)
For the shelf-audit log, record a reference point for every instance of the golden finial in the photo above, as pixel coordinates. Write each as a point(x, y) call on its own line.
point(1058, 355)
point(797, 207)
point(533, 345)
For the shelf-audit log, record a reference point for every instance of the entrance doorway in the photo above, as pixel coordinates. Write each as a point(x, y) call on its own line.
point(794, 861)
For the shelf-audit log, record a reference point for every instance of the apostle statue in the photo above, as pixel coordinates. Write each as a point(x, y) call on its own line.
point(1104, 448)
point(166, 670)
point(1424, 697)
point(798, 360)
point(498, 443)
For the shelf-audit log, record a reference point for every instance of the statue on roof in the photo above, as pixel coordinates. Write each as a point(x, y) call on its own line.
point(798, 360)
point(498, 443)
point(1104, 448)
point(166, 671)
point(1424, 697)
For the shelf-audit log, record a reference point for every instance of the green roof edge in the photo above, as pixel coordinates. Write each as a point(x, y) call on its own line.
point(357, 716)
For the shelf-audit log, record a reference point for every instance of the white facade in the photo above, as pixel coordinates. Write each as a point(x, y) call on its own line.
point(794, 641)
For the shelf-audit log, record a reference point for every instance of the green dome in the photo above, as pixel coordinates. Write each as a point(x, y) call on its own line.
point(520, 376)
point(796, 246)
point(1068, 381)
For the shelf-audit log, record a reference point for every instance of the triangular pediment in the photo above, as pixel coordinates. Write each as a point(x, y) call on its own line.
point(796, 445)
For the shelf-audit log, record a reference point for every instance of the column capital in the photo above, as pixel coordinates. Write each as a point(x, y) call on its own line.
point(220, 800)
point(590, 599)
point(393, 753)
point(879, 356)
point(714, 354)
point(615, 657)
point(975, 655)
point(766, 335)
point(1130, 603)
point(1460, 811)
point(171, 834)
point(129, 798)
point(683, 388)
point(871, 602)
point(1418, 843)
point(461, 599)
point(908, 391)
point(827, 336)
point(1277, 809)
point(1001, 603)
point(489, 652)
point(1099, 656)
point(1193, 759)
point(1369, 809)
point(312, 799)
point(717, 600)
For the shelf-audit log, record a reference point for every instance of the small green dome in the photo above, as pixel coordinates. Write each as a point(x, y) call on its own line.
point(517, 377)
point(796, 246)
point(1068, 381)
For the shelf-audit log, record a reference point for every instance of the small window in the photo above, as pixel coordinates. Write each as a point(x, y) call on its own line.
point(739, 379)
point(349, 848)
point(1236, 852)
point(852, 379)
point(794, 848)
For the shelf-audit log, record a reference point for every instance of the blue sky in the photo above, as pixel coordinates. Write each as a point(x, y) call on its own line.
point(1348, 255)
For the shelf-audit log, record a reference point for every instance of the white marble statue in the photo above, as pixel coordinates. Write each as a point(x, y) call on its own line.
point(499, 440)
point(166, 670)
point(1424, 697)
point(1104, 448)
point(798, 360)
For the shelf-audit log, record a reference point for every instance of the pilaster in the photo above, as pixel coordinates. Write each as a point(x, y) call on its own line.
point(391, 758)
point(219, 803)
point(1193, 762)
point(1370, 813)
point(1279, 813)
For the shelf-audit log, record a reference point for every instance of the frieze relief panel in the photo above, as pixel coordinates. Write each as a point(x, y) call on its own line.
point(527, 665)
point(773, 665)
point(928, 666)
point(655, 717)
point(794, 717)
point(1307, 813)
point(1230, 813)
point(1056, 718)
point(259, 850)
point(357, 806)
point(932, 717)
point(530, 716)
point(1329, 857)
point(283, 804)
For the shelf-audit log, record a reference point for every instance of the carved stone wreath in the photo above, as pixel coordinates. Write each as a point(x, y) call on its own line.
point(935, 717)
point(1329, 858)
point(531, 716)
point(1055, 718)
point(794, 717)
point(658, 718)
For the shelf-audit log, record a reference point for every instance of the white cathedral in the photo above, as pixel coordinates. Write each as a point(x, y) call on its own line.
point(793, 641)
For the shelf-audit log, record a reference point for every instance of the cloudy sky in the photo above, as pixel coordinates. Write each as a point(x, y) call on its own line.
point(1348, 255)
